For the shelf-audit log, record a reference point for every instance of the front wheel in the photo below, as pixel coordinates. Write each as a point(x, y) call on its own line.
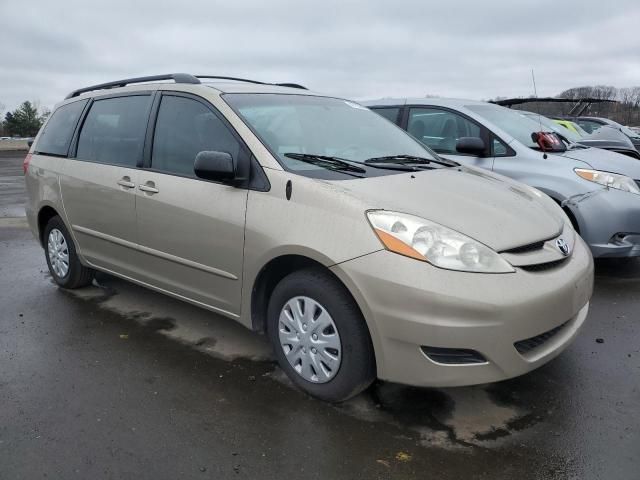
point(62, 259)
point(319, 336)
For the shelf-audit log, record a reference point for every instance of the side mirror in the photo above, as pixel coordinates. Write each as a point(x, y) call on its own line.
point(217, 166)
point(471, 146)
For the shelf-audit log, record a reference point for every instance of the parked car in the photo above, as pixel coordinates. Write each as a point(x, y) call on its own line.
point(591, 124)
point(598, 190)
point(357, 250)
point(606, 138)
point(571, 126)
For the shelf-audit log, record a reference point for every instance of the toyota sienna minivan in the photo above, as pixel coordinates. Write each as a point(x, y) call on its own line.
point(355, 248)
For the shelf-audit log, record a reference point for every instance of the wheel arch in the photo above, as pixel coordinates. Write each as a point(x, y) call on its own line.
point(268, 277)
point(275, 270)
point(46, 213)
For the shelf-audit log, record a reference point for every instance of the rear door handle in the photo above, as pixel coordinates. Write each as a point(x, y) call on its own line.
point(126, 182)
point(148, 188)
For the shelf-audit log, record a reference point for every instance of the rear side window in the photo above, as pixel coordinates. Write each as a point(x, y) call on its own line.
point(57, 133)
point(114, 129)
point(390, 114)
point(184, 128)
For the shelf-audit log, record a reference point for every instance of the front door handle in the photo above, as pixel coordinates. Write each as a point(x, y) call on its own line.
point(148, 187)
point(126, 182)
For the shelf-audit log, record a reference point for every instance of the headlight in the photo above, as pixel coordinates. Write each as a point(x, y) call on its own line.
point(611, 180)
point(430, 242)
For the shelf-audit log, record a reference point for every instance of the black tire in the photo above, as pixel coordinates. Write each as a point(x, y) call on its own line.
point(357, 367)
point(77, 275)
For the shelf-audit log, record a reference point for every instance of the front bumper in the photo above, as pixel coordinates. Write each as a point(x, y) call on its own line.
point(609, 222)
point(409, 304)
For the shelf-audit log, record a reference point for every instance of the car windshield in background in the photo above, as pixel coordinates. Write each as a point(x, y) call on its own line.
point(551, 126)
point(513, 122)
point(296, 128)
point(627, 131)
point(581, 131)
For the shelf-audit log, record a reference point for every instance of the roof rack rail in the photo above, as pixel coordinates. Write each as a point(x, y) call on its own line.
point(256, 82)
point(176, 77)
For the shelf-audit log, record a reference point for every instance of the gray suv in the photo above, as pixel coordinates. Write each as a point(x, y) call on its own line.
point(358, 251)
point(599, 190)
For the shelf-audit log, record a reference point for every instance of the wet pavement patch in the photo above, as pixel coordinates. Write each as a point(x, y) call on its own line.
point(450, 418)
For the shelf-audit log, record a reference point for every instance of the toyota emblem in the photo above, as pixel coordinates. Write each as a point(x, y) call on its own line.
point(563, 246)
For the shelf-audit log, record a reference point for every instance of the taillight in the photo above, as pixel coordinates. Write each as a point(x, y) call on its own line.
point(25, 163)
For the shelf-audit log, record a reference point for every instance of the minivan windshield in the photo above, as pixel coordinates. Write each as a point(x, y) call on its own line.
point(301, 128)
point(513, 122)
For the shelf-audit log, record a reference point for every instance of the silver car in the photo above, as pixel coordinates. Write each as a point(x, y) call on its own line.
point(359, 252)
point(598, 190)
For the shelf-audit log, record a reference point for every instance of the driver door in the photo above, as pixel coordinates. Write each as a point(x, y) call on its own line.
point(191, 231)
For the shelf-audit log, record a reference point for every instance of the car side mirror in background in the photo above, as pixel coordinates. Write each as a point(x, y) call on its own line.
point(471, 146)
point(217, 166)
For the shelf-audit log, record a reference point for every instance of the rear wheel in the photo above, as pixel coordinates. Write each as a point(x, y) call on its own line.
point(62, 259)
point(319, 336)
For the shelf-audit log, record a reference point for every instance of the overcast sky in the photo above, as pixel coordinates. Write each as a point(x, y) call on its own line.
point(357, 49)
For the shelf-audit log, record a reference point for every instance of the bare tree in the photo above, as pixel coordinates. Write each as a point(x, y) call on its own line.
point(2, 107)
point(625, 97)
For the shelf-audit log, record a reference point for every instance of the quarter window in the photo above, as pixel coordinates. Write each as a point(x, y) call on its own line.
point(499, 148)
point(114, 130)
point(57, 133)
point(390, 114)
point(184, 128)
point(440, 129)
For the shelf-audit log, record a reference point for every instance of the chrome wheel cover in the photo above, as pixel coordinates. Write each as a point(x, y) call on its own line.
point(309, 339)
point(58, 253)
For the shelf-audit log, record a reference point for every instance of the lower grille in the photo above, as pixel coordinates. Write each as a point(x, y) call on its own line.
point(528, 344)
point(453, 356)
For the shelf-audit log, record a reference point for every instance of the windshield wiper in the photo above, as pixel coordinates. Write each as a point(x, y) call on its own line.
point(410, 160)
point(348, 166)
point(328, 162)
point(405, 163)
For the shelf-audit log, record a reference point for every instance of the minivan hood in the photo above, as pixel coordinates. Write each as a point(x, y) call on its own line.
point(607, 161)
point(492, 209)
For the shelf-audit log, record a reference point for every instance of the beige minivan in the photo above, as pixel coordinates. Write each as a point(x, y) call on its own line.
point(357, 250)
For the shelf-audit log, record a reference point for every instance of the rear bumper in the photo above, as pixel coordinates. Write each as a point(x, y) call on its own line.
point(410, 304)
point(32, 220)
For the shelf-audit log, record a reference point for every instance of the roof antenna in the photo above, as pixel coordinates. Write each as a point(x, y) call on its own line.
point(535, 90)
point(535, 94)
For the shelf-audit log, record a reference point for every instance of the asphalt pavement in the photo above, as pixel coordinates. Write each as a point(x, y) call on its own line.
point(116, 382)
